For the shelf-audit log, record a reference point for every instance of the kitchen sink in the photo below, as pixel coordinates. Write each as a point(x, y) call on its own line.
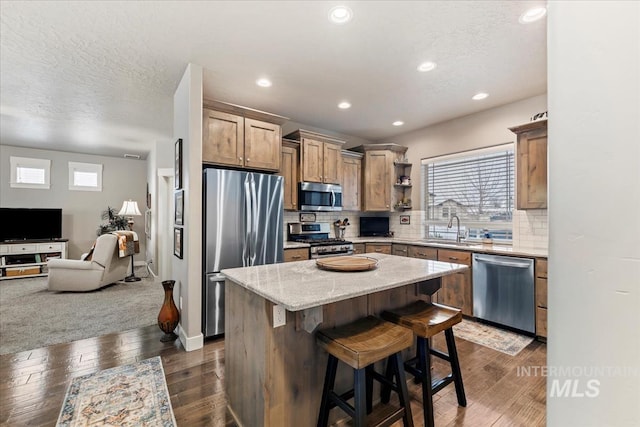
point(448, 242)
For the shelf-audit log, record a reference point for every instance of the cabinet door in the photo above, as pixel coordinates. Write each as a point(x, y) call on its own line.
point(312, 164)
point(532, 169)
point(262, 142)
point(358, 248)
point(456, 292)
point(399, 250)
point(289, 171)
point(456, 288)
point(223, 138)
point(351, 170)
point(377, 184)
point(332, 164)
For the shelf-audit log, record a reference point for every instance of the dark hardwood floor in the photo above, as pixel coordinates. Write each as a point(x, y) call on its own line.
point(33, 383)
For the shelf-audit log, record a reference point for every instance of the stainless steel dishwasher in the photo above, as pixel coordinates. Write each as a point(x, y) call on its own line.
point(503, 291)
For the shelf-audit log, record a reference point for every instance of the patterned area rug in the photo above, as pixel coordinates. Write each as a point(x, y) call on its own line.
point(507, 342)
point(129, 395)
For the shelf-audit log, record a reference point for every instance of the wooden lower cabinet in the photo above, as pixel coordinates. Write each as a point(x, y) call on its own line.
point(296, 254)
point(456, 290)
point(380, 248)
point(423, 252)
point(399, 250)
point(359, 248)
point(541, 297)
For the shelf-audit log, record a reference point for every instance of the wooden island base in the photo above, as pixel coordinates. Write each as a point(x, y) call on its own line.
point(274, 376)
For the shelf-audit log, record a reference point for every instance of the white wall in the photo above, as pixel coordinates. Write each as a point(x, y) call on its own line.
point(187, 124)
point(594, 200)
point(122, 179)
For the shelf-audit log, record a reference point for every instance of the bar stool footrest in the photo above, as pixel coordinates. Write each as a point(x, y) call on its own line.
point(441, 355)
point(339, 401)
point(436, 386)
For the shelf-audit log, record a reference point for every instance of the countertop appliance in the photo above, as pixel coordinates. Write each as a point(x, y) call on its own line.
point(316, 234)
point(313, 196)
point(503, 291)
point(242, 226)
point(374, 226)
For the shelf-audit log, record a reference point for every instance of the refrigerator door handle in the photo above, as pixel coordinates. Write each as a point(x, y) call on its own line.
point(246, 252)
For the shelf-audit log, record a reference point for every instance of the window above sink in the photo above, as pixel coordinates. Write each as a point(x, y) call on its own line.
point(477, 186)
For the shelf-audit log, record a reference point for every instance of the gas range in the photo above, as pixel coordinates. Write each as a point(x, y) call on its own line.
point(316, 234)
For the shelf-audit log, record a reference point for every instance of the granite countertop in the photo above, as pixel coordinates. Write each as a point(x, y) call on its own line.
point(508, 250)
point(294, 245)
point(302, 285)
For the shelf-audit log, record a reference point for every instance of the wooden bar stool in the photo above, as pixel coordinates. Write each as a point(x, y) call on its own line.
point(360, 344)
point(426, 320)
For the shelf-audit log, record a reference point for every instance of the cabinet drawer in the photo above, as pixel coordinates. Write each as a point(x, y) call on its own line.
point(399, 250)
point(358, 248)
point(378, 248)
point(457, 257)
point(50, 247)
point(16, 249)
point(541, 322)
point(541, 292)
point(297, 254)
point(423, 252)
point(541, 268)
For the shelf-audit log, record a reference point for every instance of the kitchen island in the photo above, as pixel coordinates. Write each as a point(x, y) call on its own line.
point(274, 372)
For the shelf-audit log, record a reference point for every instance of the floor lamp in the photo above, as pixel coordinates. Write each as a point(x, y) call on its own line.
point(130, 209)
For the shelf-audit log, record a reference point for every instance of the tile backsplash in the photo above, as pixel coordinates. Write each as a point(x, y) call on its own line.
point(529, 226)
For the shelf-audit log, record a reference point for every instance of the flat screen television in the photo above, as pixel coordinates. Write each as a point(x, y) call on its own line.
point(374, 226)
point(30, 224)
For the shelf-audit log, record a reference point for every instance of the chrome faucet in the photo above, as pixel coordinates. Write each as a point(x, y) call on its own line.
point(451, 225)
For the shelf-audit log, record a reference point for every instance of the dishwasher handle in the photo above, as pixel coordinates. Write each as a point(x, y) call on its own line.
point(514, 264)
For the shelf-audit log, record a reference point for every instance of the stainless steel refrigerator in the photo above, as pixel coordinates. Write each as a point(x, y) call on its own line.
point(242, 226)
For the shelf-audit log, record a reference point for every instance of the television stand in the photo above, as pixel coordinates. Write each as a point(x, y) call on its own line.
point(28, 258)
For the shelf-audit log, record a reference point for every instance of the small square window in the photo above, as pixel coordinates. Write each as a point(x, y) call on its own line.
point(85, 176)
point(30, 173)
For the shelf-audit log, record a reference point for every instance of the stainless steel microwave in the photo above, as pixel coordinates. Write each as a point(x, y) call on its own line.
point(313, 196)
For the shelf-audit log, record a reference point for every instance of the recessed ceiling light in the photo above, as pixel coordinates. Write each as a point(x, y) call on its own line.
point(426, 66)
point(263, 82)
point(344, 105)
point(532, 15)
point(398, 123)
point(340, 15)
point(479, 96)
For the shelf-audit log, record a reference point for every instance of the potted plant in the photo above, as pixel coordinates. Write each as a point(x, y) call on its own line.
point(114, 222)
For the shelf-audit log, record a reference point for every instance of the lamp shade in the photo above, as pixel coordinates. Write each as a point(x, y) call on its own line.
point(129, 208)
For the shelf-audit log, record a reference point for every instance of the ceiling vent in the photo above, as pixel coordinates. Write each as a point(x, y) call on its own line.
point(132, 156)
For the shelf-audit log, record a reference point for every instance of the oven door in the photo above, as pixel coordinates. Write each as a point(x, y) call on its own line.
point(316, 255)
point(319, 197)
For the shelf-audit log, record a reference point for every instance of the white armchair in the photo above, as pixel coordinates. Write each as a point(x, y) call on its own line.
point(105, 267)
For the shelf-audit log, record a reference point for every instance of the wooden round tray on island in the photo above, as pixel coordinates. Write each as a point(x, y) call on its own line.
point(347, 263)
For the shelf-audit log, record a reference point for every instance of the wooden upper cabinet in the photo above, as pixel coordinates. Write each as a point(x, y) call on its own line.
point(312, 160)
point(377, 181)
point(262, 145)
point(378, 191)
point(531, 167)
point(223, 138)
point(332, 166)
point(351, 181)
point(289, 170)
point(320, 157)
point(240, 137)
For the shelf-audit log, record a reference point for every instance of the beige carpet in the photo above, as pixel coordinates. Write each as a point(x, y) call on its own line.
point(501, 340)
point(32, 317)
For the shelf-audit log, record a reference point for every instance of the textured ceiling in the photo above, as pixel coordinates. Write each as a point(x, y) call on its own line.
point(99, 77)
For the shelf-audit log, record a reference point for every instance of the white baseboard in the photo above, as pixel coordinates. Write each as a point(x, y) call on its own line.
point(190, 343)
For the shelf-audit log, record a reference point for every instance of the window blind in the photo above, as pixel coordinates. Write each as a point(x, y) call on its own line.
point(477, 186)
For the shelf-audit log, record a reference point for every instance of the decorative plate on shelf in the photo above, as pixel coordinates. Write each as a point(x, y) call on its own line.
point(347, 263)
